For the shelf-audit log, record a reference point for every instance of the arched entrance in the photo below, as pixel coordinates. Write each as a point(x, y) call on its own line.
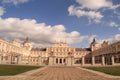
point(57, 60)
point(60, 61)
point(64, 61)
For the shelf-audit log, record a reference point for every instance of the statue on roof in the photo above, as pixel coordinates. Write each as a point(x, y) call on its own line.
point(94, 41)
point(27, 40)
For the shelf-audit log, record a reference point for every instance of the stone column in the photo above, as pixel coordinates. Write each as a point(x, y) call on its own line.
point(72, 60)
point(83, 60)
point(51, 60)
point(103, 60)
point(54, 61)
point(93, 60)
point(69, 61)
point(39, 60)
point(112, 59)
point(19, 59)
point(65, 61)
point(0, 59)
point(62, 60)
point(58, 60)
point(16, 60)
point(29, 59)
point(3, 60)
point(10, 59)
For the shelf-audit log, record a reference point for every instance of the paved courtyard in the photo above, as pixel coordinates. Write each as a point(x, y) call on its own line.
point(58, 73)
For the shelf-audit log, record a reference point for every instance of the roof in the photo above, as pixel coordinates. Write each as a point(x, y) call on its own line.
point(38, 49)
point(82, 49)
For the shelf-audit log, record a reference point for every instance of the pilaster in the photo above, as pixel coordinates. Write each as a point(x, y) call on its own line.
point(103, 60)
point(20, 59)
point(39, 60)
point(10, 59)
point(93, 60)
point(83, 60)
point(29, 59)
point(69, 61)
point(112, 59)
point(51, 60)
point(0, 59)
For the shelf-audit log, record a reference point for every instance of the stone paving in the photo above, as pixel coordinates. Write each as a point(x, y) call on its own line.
point(58, 73)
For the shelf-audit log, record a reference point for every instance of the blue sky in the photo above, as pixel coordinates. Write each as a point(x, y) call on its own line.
point(73, 21)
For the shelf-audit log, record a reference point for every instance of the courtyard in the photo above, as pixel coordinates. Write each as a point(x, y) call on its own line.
point(58, 73)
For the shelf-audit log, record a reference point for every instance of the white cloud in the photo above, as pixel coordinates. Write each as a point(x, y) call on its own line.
point(119, 17)
point(117, 13)
point(113, 24)
point(119, 29)
point(92, 9)
point(39, 33)
point(92, 15)
point(15, 2)
point(111, 39)
point(97, 4)
point(91, 38)
point(2, 11)
point(114, 38)
point(117, 37)
point(115, 6)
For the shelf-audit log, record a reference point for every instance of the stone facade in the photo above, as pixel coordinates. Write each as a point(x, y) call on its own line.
point(59, 54)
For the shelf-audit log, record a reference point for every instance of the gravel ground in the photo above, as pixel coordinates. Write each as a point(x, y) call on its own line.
point(58, 73)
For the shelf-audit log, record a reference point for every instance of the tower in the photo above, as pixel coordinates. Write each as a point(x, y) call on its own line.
point(94, 45)
point(27, 44)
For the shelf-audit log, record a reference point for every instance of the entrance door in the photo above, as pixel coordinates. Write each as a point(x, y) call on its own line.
point(60, 61)
point(57, 60)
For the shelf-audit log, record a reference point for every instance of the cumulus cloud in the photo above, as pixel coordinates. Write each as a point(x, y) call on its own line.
point(93, 15)
point(15, 2)
point(114, 38)
point(2, 11)
point(119, 29)
point(111, 39)
point(114, 6)
point(113, 24)
point(91, 38)
point(39, 33)
point(91, 9)
point(97, 4)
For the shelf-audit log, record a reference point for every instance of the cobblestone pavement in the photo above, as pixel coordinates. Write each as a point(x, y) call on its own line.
point(58, 73)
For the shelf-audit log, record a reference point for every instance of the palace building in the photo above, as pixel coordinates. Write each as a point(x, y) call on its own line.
point(59, 54)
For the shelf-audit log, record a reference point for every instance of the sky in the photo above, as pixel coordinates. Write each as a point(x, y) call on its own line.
point(45, 22)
